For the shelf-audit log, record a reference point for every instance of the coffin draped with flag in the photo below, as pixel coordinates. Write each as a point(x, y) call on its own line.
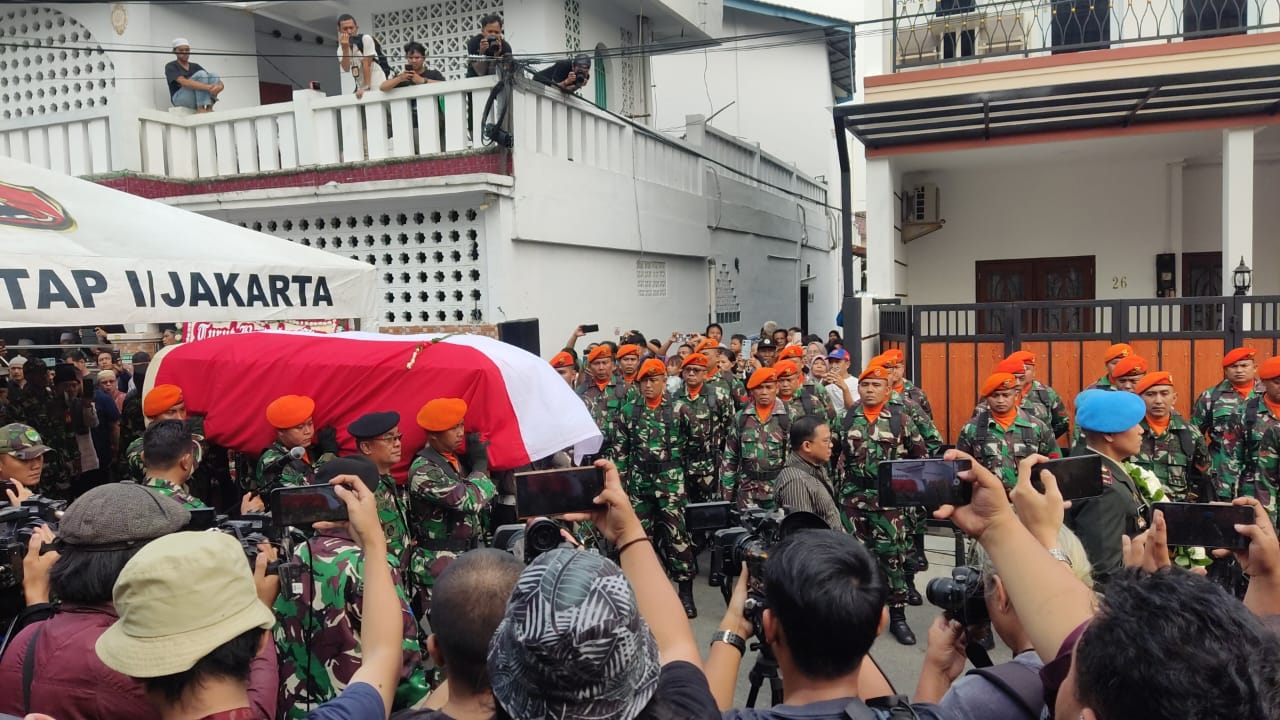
point(515, 399)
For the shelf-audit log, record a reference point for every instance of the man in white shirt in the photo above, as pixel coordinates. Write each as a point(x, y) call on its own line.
point(358, 58)
point(842, 387)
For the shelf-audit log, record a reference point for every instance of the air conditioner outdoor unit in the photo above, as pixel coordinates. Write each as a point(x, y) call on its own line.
point(920, 204)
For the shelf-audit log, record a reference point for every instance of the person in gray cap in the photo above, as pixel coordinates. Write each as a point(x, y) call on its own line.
point(22, 456)
point(97, 535)
point(583, 638)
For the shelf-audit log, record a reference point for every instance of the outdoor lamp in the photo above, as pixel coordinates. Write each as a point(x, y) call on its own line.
point(1241, 277)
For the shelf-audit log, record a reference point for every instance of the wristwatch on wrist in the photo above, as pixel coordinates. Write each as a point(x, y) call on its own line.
point(1057, 554)
point(730, 638)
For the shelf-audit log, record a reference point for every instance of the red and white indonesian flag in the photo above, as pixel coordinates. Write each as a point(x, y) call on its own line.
point(515, 399)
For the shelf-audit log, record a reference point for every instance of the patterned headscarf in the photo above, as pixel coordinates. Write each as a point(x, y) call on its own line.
point(573, 645)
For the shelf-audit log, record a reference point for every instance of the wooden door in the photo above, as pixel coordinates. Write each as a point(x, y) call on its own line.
point(1202, 277)
point(1034, 279)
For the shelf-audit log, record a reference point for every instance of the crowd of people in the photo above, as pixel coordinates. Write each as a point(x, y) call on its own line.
point(123, 608)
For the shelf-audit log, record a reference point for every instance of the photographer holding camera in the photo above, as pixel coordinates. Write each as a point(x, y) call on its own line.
point(1012, 690)
point(485, 48)
point(823, 606)
point(320, 631)
point(50, 665)
point(570, 76)
point(583, 639)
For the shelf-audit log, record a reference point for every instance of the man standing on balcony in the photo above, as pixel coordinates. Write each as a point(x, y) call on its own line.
point(190, 86)
point(360, 56)
point(1219, 414)
point(489, 44)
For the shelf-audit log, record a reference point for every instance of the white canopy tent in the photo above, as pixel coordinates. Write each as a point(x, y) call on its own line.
point(75, 253)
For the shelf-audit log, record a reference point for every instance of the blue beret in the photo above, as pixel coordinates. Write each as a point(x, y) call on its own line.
point(372, 425)
point(1109, 411)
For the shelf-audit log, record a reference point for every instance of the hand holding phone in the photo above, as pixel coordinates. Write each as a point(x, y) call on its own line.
point(593, 327)
point(1206, 525)
point(302, 506)
point(541, 493)
point(1079, 476)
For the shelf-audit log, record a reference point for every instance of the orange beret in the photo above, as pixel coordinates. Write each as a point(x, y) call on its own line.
point(696, 359)
point(707, 344)
point(874, 371)
point(599, 351)
point(791, 351)
point(652, 366)
point(442, 414)
point(1026, 357)
point(563, 360)
point(893, 356)
point(1119, 350)
point(1011, 366)
point(1159, 377)
point(997, 381)
point(760, 377)
point(786, 367)
point(1240, 353)
point(1130, 366)
point(1270, 368)
point(625, 350)
point(160, 399)
point(289, 411)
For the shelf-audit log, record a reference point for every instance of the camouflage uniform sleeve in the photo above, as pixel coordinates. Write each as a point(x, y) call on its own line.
point(1058, 409)
point(429, 483)
point(620, 450)
point(727, 425)
point(1268, 477)
point(914, 444)
point(929, 432)
point(729, 465)
point(1231, 449)
point(1203, 462)
point(1202, 412)
point(965, 442)
point(1048, 445)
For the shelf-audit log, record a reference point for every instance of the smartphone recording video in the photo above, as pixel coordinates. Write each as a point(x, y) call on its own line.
point(553, 492)
point(1205, 525)
point(929, 483)
point(301, 506)
point(1078, 477)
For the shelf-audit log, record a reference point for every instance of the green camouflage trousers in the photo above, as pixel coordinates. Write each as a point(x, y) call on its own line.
point(884, 532)
point(660, 507)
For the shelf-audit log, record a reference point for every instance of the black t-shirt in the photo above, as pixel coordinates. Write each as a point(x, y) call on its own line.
point(427, 73)
point(824, 710)
point(173, 71)
point(558, 73)
point(473, 48)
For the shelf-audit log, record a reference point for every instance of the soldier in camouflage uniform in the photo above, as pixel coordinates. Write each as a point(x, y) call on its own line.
point(802, 398)
point(604, 394)
point(172, 454)
point(566, 365)
point(378, 438)
point(756, 449)
point(293, 418)
point(318, 632)
point(1125, 374)
point(1001, 434)
point(1114, 354)
point(164, 402)
point(448, 501)
point(713, 411)
point(1219, 415)
point(895, 361)
point(22, 454)
point(1171, 448)
point(871, 432)
point(1038, 399)
point(653, 437)
point(1260, 452)
point(49, 411)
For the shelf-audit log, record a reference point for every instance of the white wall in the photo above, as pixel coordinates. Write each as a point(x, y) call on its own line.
point(286, 64)
point(1116, 212)
point(783, 95)
point(1202, 219)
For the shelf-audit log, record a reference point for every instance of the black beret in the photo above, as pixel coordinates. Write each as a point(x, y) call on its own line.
point(119, 513)
point(371, 425)
point(360, 466)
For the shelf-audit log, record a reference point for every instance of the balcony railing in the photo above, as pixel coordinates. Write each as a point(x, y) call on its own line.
point(934, 32)
point(312, 130)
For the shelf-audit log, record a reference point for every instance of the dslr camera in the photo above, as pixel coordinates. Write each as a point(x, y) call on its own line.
point(16, 525)
point(744, 536)
point(961, 596)
point(527, 542)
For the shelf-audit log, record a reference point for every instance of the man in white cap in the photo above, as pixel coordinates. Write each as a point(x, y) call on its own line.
point(190, 85)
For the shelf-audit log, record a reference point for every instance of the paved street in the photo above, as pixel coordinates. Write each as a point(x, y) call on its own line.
point(900, 663)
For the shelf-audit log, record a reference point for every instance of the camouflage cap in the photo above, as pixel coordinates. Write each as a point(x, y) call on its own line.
point(21, 441)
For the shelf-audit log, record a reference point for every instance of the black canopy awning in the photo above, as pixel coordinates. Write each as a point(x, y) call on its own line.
point(1088, 104)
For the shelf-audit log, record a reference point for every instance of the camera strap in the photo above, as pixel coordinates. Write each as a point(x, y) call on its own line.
point(894, 707)
point(1019, 683)
point(29, 670)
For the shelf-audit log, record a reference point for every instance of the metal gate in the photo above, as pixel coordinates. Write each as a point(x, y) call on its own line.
point(950, 349)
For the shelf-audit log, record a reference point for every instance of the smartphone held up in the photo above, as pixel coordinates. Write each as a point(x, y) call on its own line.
point(540, 493)
point(928, 483)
